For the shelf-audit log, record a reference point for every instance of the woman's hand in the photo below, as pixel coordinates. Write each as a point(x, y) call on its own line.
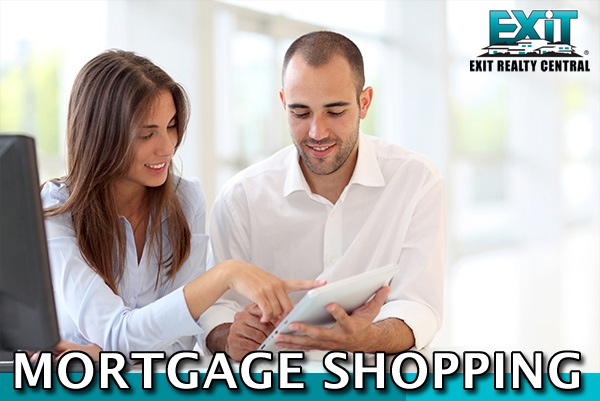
point(265, 290)
point(65, 346)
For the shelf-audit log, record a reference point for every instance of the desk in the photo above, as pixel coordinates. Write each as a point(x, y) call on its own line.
point(313, 361)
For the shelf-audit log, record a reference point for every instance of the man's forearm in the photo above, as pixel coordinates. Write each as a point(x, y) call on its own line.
point(391, 336)
point(216, 341)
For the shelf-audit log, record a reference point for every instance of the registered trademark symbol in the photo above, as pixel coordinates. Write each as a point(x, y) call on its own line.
point(586, 52)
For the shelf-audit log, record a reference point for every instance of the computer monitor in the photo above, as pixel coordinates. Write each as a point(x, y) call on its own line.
point(27, 312)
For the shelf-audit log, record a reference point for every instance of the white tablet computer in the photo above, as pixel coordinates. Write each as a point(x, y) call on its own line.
point(348, 293)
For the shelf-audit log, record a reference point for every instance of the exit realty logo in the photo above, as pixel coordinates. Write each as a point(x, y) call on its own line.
point(538, 42)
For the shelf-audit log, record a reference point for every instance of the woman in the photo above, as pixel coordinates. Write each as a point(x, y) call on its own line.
point(125, 235)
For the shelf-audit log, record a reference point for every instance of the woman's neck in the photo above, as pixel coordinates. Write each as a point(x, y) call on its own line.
point(131, 202)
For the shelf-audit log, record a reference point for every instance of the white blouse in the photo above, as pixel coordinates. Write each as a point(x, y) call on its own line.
point(143, 317)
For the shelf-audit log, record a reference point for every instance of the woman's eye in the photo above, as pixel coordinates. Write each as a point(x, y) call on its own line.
point(146, 136)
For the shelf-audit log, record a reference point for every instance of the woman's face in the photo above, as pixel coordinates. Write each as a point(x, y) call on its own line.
point(154, 146)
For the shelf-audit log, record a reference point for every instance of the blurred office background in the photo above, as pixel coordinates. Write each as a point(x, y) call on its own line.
point(520, 151)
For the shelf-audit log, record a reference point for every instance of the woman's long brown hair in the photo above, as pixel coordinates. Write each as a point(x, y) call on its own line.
point(111, 96)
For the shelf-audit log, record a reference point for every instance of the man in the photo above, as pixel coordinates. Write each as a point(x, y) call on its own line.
point(335, 204)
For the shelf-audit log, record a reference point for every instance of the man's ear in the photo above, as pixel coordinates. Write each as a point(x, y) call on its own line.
point(364, 101)
point(282, 98)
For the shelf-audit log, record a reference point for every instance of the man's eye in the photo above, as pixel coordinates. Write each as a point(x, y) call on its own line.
point(300, 115)
point(337, 114)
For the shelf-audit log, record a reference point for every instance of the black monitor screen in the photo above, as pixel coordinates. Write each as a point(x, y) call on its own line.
point(27, 314)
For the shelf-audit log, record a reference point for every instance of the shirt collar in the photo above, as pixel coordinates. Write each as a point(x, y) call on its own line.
point(294, 179)
point(366, 172)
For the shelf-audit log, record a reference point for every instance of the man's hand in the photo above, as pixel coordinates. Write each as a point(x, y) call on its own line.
point(247, 332)
point(354, 332)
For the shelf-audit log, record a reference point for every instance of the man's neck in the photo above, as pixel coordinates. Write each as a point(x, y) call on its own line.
point(330, 186)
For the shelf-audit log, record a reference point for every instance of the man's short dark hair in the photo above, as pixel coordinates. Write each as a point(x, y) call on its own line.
point(318, 48)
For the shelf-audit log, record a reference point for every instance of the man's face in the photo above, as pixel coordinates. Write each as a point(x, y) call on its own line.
point(323, 112)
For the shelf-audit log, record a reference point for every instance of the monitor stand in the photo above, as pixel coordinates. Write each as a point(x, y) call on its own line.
point(6, 361)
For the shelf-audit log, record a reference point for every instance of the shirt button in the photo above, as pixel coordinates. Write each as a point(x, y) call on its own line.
point(331, 261)
point(332, 214)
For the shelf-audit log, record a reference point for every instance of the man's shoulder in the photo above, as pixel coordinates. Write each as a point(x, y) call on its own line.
point(394, 157)
point(270, 170)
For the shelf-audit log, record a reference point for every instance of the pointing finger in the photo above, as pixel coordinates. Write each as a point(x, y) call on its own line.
point(300, 285)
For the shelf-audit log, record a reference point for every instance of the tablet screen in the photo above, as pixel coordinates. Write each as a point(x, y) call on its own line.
point(348, 293)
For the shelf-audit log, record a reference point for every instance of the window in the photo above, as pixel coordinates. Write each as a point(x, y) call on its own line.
point(521, 185)
point(521, 176)
point(39, 59)
point(258, 40)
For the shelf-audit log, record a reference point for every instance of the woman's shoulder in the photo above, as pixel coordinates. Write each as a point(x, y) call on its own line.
point(191, 195)
point(53, 195)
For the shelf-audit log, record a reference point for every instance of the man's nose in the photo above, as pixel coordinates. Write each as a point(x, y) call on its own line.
point(318, 129)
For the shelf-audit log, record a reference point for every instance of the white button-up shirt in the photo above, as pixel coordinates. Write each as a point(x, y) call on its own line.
point(143, 317)
point(391, 211)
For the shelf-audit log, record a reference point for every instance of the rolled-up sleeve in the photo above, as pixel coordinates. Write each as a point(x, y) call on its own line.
point(417, 294)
